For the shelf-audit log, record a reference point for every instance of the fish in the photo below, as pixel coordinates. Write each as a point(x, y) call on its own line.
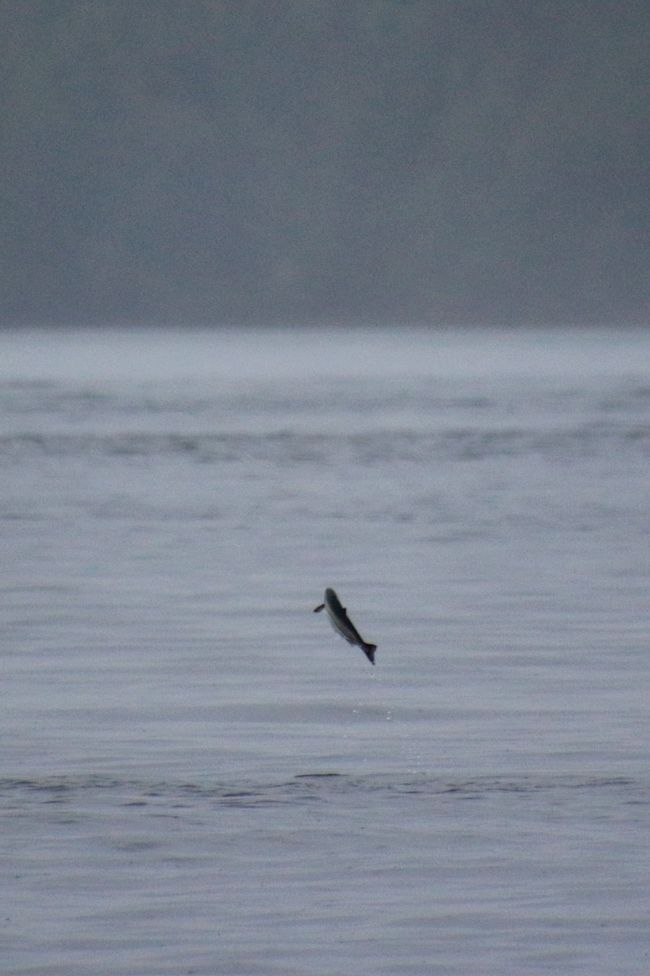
point(343, 625)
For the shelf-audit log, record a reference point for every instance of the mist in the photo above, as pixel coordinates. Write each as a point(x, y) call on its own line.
point(304, 161)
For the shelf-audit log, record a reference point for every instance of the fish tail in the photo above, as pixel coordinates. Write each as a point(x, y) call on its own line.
point(369, 650)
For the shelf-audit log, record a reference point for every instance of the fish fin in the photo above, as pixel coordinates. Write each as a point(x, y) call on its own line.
point(319, 608)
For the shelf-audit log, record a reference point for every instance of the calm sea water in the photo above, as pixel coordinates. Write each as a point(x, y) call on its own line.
point(198, 776)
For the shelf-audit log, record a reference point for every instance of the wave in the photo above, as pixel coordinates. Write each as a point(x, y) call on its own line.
point(282, 446)
point(312, 787)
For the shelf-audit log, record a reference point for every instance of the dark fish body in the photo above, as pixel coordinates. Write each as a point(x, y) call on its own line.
point(343, 625)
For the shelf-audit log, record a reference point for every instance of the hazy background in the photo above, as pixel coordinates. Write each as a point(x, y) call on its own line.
point(296, 160)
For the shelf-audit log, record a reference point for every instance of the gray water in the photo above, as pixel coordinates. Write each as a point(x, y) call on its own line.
point(199, 776)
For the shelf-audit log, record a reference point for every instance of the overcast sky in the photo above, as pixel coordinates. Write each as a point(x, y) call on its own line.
point(306, 160)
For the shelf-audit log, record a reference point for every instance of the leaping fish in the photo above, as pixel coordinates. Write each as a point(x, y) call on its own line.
point(343, 625)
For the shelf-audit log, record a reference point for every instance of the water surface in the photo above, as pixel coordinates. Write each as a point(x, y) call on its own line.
point(198, 777)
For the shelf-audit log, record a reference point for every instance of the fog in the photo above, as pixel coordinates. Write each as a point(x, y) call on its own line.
point(300, 160)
